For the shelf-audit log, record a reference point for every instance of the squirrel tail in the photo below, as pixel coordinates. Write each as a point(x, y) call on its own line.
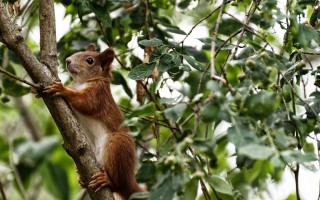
point(125, 195)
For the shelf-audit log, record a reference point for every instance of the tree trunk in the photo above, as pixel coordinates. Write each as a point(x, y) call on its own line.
point(44, 73)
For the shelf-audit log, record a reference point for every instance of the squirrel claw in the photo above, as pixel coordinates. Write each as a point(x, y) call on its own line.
point(99, 181)
point(55, 89)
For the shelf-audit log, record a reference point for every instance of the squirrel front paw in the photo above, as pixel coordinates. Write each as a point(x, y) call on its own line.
point(56, 89)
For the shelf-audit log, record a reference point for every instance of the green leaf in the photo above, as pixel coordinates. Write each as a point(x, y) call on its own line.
point(307, 2)
point(242, 136)
point(260, 105)
point(118, 79)
point(306, 35)
point(314, 17)
point(56, 180)
point(195, 64)
point(83, 8)
point(191, 189)
point(210, 112)
point(30, 155)
point(204, 145)
point(139, 195)
point(147, 172)
point(165, 62)
point(219, 184)
point(283, 141)
point(142, 71)
point(164, 188)
point(154, 42)
point(175, 29)
point(36, 151)
point(101, 14)
point(142, 111)
point(175, 112)
point(255, 151)
point(184, 4)
point(297, 156)
point(229, 26)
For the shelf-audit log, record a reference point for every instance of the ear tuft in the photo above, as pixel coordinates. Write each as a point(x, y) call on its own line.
point(91, 47)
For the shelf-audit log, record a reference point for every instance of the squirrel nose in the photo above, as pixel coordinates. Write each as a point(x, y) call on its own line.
point(68, 61)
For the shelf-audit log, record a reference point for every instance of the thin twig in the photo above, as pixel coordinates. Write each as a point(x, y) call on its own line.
point(108, 43)
point(206, 17)
point(3, 195)
point(214, 38)
point(205, 190)
point(250, 13)
point(18, 78)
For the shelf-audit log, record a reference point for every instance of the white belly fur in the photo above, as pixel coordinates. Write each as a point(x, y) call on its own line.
point(97, 134)
point(96, 131)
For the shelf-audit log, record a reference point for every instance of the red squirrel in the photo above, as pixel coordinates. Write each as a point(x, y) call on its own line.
point(99, 116)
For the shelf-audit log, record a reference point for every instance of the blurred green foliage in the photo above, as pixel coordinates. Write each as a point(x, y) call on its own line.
point(269, 113)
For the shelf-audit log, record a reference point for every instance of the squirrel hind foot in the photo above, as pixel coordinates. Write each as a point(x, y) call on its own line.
point(99, 181)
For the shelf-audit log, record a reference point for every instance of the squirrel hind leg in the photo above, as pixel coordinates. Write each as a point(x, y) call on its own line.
point(100, 180)
point(120, 163)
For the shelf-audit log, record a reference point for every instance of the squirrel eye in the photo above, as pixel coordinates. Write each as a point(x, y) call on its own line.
point(89, 61)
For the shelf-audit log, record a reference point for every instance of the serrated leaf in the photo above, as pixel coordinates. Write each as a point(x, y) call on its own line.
point(142, 71)
point(195, 64)
point(154, 42)
point(256, 151)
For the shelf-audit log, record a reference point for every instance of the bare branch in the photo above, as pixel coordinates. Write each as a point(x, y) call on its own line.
point(17, 78)
point(48, 47)
point(214, 38)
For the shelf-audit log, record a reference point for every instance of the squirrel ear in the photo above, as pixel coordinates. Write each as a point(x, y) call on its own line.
point(107, 57)
point(91, 47)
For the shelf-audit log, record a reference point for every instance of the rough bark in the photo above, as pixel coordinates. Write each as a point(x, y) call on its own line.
point(74, 139)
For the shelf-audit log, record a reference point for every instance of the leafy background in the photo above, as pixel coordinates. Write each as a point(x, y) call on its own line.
point(233, 112)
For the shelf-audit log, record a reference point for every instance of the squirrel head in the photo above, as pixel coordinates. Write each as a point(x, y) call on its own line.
point(90, 64)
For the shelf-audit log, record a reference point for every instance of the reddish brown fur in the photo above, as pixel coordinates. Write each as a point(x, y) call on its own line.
point(96, 101)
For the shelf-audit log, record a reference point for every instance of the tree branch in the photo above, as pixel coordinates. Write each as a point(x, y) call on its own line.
point(17, 78)
point(74, 139)
point(48, 47)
